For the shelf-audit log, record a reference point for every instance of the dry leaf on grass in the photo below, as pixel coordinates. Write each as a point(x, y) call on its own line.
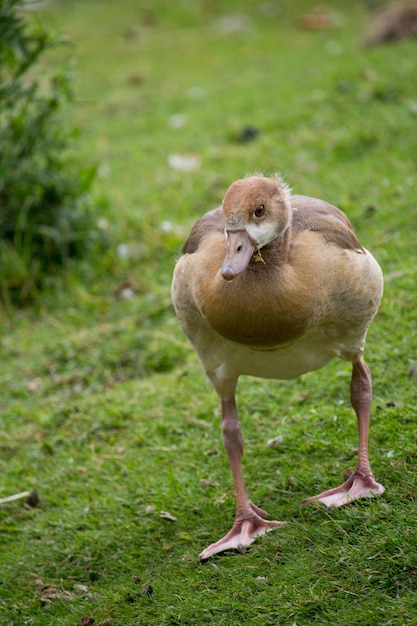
point(49, 592)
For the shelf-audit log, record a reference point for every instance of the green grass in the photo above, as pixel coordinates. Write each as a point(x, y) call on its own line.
point(104, 409)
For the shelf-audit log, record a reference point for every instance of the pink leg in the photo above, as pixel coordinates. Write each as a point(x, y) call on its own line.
point(250, 520)
point(362, 482)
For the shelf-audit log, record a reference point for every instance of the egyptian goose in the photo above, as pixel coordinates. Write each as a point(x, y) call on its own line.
point(274, 285)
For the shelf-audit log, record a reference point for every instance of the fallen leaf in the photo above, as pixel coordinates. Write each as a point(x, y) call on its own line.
point(224, 497)
point(205, 483)
point(86, 621)
point(318, 19)
point(48, 593)
point(168, 516)
point(81, 590)
point(136, 79)
point(276, 441)
point(34, 384)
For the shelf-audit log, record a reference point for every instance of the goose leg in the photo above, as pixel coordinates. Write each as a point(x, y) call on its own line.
point(361, 483)
point(250, 520)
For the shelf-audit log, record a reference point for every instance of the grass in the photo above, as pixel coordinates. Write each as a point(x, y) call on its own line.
point(104, 408)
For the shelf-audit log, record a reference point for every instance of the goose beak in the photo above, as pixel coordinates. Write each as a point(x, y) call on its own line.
point(238, 254)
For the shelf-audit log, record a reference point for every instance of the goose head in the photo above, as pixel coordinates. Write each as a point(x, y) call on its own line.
point(257, 211)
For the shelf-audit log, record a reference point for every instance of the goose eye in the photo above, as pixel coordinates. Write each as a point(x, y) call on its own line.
point(260, 210)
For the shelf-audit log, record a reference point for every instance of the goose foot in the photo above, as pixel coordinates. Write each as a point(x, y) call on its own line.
point(357, 486)
point(244, 532)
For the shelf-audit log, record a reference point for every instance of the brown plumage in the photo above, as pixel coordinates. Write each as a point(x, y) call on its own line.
point(274, 285)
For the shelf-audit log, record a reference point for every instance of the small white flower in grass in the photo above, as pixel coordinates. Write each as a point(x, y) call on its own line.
point(184, 162)
point(233, 24)
point(122, 251)
point(104, 170)
point(102, 223)
point(177, 121)
point(166, 226)
point(334, 47)
point(126, 293)
point(196, 92)
point(412, 107)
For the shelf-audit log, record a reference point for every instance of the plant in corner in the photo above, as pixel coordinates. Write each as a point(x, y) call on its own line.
point(46, 203)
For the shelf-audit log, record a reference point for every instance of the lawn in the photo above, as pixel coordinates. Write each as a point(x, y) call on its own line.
point(104, 408)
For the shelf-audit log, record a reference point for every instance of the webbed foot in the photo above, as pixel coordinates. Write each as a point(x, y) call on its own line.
point(356, 486)
point(244, 532)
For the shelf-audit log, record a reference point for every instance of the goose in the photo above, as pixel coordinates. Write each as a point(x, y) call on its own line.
point(275, 285)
